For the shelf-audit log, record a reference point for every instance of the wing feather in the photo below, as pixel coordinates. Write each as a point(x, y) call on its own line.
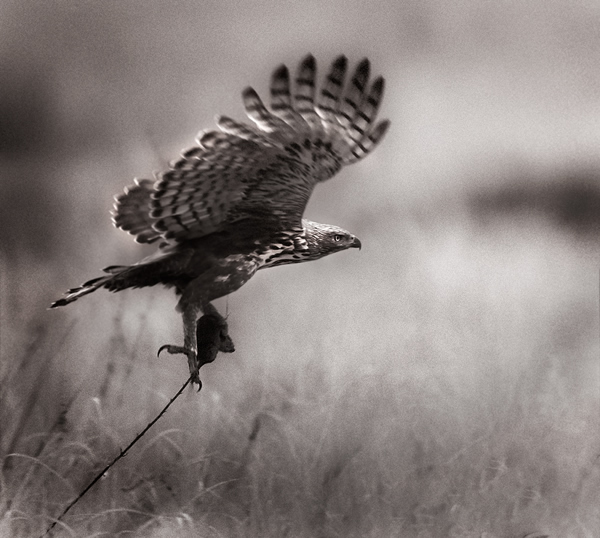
point(366, 144)
point(263, 118)
point(354, 94)
point(131, 211)
point(304, 96)
point(242, 130)
point(267, 170)
point(281, 101)
point(329, 100)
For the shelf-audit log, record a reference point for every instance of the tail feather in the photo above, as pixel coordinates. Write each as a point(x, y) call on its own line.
point(163, 267)
point(114, 269)
point(75, 293)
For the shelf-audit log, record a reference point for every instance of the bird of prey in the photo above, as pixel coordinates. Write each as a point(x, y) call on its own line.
point(233, 204)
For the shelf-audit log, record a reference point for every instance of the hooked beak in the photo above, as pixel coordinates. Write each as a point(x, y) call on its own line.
point(356, 243)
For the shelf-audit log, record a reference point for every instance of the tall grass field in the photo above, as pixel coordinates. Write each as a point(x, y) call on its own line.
point(441, 383)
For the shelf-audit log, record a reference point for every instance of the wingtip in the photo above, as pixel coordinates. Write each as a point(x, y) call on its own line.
point(381, 129)
point(281, 71)
point(363, 67)
point(248, 91)
point(251, 99)
point(378, 86)
point(308, 63)
point(340, 61)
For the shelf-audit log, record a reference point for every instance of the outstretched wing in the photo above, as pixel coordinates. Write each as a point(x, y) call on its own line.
point(267, 170)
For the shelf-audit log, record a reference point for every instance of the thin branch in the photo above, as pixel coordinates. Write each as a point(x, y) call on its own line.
point(122, 454)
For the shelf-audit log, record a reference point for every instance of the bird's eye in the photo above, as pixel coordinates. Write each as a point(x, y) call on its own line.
point(338, 237)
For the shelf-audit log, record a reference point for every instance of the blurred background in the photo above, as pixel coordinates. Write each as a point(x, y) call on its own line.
point(459, 347)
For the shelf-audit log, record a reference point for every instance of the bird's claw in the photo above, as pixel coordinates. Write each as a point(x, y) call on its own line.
point(173, 350)
point(192, 356)
point(211, 337)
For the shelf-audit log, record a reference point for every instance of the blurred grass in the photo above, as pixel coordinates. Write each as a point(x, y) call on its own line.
point(441, 383)
point(451, 392)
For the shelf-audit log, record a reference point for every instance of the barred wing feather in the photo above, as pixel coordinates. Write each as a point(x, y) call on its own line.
point(267, 169)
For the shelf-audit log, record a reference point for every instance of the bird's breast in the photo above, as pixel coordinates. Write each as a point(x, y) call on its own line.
point(235, 270)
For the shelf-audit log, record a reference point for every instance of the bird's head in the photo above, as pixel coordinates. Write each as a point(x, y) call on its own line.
point(325, 239)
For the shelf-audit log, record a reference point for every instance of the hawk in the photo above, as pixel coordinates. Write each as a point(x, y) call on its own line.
point(233, 204)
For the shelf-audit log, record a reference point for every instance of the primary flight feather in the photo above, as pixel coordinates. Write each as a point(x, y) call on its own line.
point(233, 203)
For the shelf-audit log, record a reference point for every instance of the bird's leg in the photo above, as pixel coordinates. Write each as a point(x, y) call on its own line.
point(202, 339)
point(190, 342)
